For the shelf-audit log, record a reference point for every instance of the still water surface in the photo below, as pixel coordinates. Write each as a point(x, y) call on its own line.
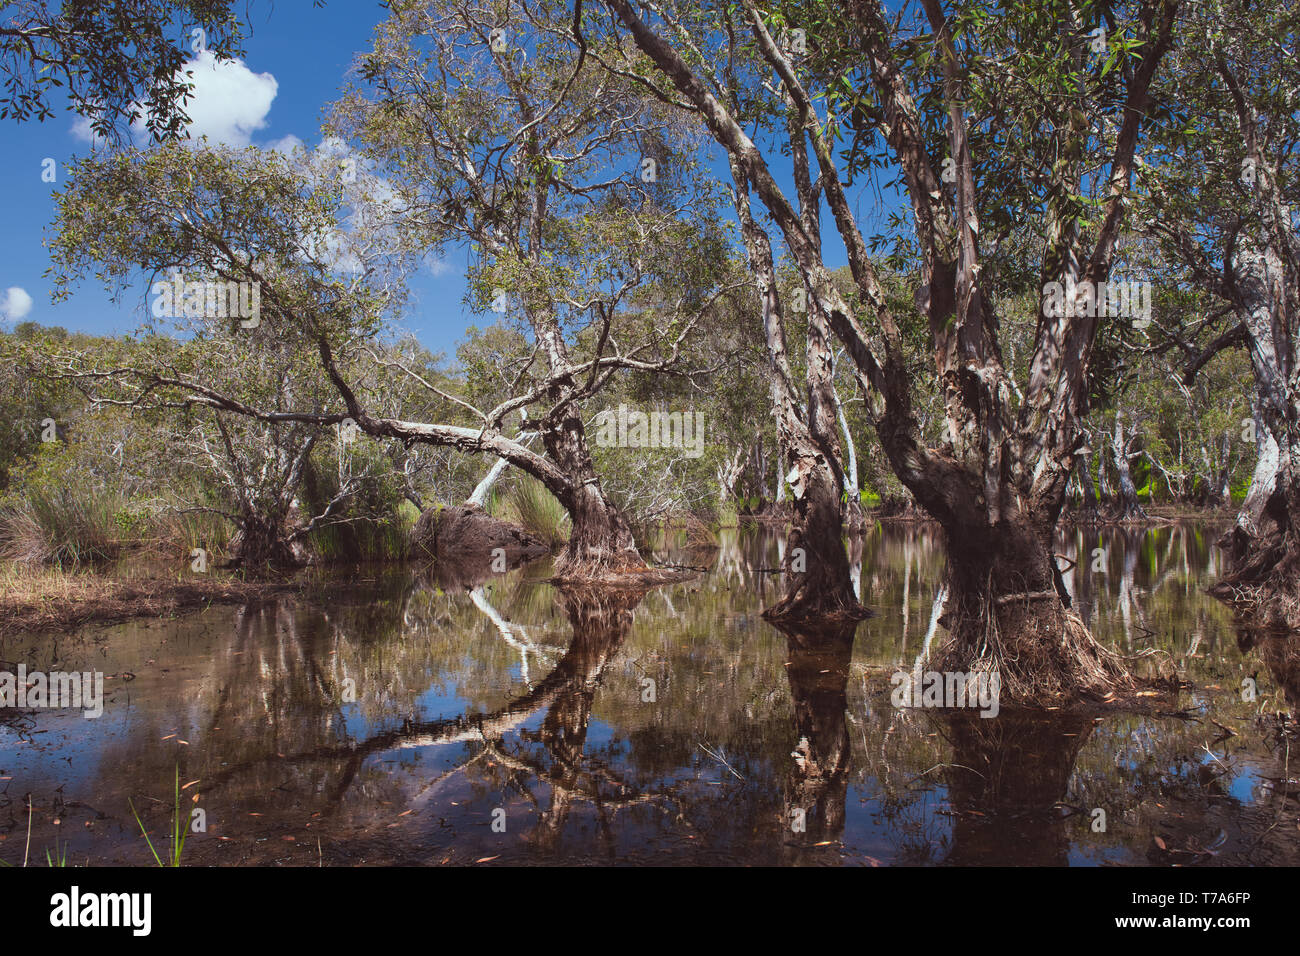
point(392, 717)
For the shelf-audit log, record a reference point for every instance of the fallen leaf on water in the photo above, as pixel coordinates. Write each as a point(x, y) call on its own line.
point(169, 737)
point(1161, 843)
point(405, 812)
point(487, 859)
point(190, 784)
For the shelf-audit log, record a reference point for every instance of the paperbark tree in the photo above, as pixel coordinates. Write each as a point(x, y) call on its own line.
point(998, 482)
point(1238, 240)
point(503, 132)
point(1122, 453)
point(818, 584)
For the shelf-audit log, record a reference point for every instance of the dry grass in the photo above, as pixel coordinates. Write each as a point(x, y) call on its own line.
point(39, 599)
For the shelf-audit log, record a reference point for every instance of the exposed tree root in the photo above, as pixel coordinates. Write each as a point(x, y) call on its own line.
point(612, 569)
point(1263, 588)
point(1043, 654)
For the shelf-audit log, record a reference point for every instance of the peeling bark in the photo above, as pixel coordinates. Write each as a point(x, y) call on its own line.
point(818, 583)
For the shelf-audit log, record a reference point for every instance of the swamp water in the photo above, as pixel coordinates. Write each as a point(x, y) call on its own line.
point(389, 717)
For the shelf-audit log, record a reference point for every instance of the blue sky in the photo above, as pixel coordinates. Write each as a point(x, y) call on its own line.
point(297, 58)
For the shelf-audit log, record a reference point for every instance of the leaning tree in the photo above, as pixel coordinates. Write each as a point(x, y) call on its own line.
point(579, 200)
point(531, 157)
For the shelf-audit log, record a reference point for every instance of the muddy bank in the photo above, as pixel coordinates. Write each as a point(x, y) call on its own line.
point(459, 531)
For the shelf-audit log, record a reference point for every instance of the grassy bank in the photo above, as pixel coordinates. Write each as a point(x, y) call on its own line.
point(38, 599)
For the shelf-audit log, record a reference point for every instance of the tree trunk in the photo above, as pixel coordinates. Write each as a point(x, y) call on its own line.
point(1130, 509)
point(1263, 481)
point(263, 544)
point(779, 498)
point(1007, 613)
point(818, 584)
point(1263, 547)
point(601, 544)
point(480, 493)
point(855, 521)
point(1088, 510)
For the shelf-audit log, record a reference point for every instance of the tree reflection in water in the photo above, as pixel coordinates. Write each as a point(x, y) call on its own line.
point(816, 784)
point(1006, 779)
point(477, 692)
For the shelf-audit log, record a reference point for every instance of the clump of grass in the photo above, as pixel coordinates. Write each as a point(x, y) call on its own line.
point(379, 538)
point(728, 514)
point(178, 834)
point(60, 526)
point(186, 529)
point(527, 503)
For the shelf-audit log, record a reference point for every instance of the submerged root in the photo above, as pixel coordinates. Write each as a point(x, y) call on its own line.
point(612, 568)
point(1042, 653)
point(793, 611)
point(1263, 589)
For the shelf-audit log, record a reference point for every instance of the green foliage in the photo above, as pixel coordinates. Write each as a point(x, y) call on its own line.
point(374, 522)
point(115, 62)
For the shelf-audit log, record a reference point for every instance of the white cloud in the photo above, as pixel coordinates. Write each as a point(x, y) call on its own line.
point(437, 267)
point(16, 303)
point(81, 130)
point(229, 101)
point(285, 144)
